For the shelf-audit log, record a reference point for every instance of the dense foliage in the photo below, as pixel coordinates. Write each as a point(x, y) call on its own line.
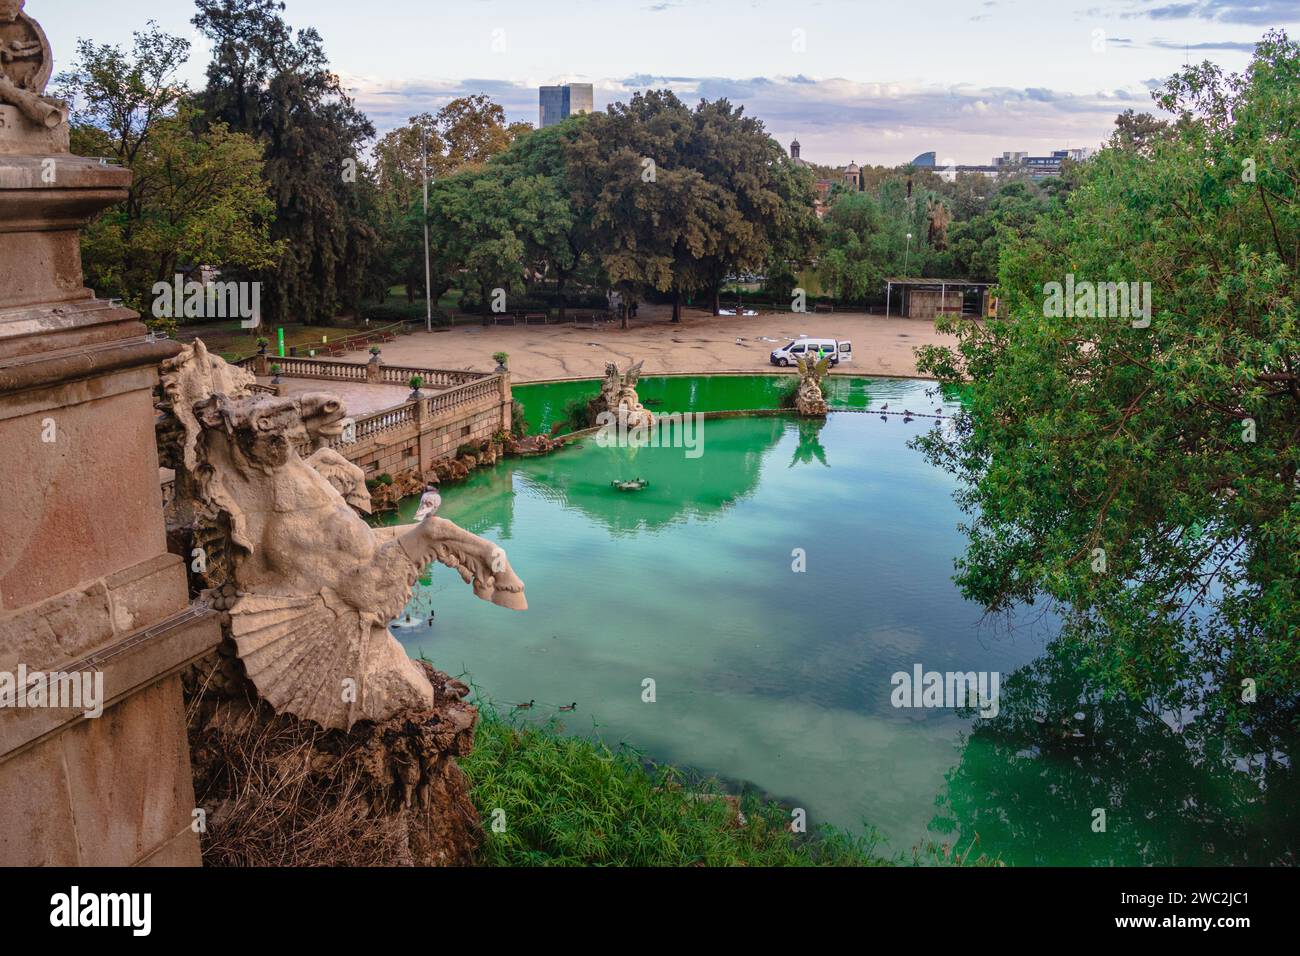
point(276, 86)
point(196, 196)
point(1144, 476)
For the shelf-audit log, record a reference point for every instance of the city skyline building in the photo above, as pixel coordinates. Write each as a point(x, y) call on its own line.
point(557, 103)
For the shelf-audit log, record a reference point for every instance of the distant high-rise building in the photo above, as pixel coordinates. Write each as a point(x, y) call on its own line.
point(556, 103)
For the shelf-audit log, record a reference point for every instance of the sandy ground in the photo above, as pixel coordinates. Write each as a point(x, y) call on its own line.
point(701, 343)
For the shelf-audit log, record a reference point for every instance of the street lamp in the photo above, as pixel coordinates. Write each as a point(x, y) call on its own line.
point(428, 279)
point(908, 253)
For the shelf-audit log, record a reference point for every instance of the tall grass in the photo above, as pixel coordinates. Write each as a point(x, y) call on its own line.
point(570, 801)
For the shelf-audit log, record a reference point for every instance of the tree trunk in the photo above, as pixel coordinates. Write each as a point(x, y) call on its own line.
point(715, 296)
point(677, 305)
point(559, 291)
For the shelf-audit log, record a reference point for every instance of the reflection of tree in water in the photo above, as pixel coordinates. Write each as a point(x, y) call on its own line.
point(810, 445)
point(1029, 779)
point(680, 487)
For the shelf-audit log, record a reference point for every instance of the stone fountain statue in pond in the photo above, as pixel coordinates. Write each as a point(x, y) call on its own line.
point(618, 396)
point(808, 400)
point(313, 586)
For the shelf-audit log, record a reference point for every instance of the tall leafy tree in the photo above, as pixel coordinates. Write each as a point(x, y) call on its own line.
point(627, 179)
point(465, 133)
point(1145, 477)
point(764, 202)
point(195, 198)
point(275, 84)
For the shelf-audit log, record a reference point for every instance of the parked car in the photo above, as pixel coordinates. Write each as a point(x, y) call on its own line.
point(802, 347)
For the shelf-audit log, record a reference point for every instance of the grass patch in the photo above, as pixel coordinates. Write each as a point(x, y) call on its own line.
point(570, 801)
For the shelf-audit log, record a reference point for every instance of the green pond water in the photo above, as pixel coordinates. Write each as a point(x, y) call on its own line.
point(781, 681)
point(545, 404)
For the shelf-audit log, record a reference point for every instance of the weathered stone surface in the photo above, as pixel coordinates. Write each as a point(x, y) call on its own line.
point(103, 456)
point(808, 401)
point(130, 785)
point(531, 445)
point(58, 630)
point(618, 397)
point(38, 827)
point(25, 66)
point(84, 575)
point(314, 586)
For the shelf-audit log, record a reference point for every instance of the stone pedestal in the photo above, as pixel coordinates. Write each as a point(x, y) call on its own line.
point(86, 583)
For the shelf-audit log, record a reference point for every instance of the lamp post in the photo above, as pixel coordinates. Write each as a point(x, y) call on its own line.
point(907, 255)
point(428, 280)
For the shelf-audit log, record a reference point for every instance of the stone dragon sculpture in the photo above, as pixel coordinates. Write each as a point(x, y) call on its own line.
point(314, 586)
point(808, 400)
point(618, 395)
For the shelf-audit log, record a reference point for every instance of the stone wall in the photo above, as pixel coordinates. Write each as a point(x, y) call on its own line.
point(420, 434)
point(87, 588)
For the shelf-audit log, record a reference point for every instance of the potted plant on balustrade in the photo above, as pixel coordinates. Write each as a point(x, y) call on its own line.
point(275, 374)
point(501, 358)
point(374, 353)
point(415, 381)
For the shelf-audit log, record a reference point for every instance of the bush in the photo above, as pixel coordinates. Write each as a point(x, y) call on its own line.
point(518, 424)
point(576, 416)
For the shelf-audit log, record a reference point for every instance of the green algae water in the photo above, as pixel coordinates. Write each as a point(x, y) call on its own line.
point(783, 679)
point(545, 404)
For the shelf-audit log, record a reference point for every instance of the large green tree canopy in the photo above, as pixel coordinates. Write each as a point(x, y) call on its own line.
point(275, 85)
point(1144, 477)
point(198, 196)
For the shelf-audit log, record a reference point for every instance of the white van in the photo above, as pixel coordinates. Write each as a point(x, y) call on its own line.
point(803, 347)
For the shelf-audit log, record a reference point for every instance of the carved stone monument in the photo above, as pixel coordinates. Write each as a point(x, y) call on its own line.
point(88, 590)
point(310, 587)
point(618, 396)
point(808, 400)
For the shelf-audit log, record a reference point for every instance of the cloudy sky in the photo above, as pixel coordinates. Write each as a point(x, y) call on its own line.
point(868, 80)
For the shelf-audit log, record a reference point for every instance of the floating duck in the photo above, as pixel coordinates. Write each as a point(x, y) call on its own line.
point(527, 706)
point(636, 484)
point(573, 706)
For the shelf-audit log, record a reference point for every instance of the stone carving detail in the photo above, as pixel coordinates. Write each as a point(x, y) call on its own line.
point(618, 395)
point(314, 586)
point(808, 401)
point(25, 66)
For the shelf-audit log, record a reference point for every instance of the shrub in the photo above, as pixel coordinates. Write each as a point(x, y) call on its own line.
point(518, 424)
